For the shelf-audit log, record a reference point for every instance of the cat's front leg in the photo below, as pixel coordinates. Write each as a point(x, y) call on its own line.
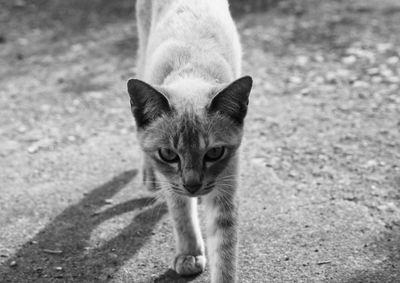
point(222, 221)
point(190, 258)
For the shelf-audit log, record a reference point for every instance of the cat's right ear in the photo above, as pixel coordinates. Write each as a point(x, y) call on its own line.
point(147, 103)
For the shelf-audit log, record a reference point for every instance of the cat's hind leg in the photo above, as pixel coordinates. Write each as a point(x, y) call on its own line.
point(190, 257)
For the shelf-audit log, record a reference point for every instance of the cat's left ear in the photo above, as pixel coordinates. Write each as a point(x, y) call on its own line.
point(232, 101)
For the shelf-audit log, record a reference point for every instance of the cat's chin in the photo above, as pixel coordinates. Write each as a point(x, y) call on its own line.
point(200, 193)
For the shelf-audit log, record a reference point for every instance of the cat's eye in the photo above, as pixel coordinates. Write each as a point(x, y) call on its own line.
point(168, 155)
point(215, 153)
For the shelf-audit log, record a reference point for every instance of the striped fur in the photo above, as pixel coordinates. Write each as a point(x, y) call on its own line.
point(188, 102)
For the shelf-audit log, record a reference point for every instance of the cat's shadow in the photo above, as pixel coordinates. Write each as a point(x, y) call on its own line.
point(60, 252)
point(170, 276)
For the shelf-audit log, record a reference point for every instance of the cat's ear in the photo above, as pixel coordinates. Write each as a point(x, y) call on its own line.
point(233, 99)
point(147, 103)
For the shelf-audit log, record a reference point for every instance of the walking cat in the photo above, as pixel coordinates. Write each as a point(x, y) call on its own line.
point(189, 107)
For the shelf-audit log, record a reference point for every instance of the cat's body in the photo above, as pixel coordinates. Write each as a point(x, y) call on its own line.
point(196, 35)
point(190, 115)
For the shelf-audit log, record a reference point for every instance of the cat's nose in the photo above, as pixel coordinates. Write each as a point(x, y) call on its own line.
point(192, 188)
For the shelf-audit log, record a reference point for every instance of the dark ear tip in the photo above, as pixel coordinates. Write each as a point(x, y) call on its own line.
point(247, 79)
point(131, 84)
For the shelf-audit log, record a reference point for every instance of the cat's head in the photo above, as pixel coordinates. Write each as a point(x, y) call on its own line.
point(191, 131)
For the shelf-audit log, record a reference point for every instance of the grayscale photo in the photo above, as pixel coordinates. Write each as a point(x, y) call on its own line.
point(203, 141)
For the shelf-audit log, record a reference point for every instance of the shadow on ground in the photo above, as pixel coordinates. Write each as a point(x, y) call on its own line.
point(77, 15)
point(386, 249)
point(63, 242)
point(67, 16)
point(170, 276)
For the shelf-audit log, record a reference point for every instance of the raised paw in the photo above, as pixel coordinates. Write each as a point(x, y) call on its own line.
point(189, 265)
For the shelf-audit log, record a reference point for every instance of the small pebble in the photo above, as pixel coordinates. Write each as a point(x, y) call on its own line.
point(319, 58)
point(323, 262)
point(393, 79)
point(376, 79)
point(45, 107)
point(361, 84)
point(22, 129)
point(52, 251)
point(33, 148)
point(383, 47)
point(295, 80)
point(393, 60)
point(71, 138)
point(349, 60)
point(371, 163)
point(13, 263)
point(302, 60)
point(373, 71)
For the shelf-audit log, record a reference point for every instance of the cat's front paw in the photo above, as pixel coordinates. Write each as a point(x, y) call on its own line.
point(189, 264)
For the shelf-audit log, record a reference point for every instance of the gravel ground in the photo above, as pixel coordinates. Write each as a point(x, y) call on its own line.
point(320, 194)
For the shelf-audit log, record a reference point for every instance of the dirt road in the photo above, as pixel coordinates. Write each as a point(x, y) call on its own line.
point(320, 194)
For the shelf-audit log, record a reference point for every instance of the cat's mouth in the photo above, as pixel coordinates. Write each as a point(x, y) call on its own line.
point(201, 192)
point(205, 190)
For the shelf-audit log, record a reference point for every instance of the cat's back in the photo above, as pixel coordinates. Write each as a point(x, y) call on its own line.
point(201, 27)
point(187, 19)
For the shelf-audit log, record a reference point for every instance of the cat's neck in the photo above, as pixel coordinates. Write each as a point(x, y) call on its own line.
point(190, 90)
point(193, 72)
point(185, 62)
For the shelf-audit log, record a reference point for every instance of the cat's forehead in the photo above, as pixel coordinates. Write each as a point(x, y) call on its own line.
point(190, 131)
point(200, 131)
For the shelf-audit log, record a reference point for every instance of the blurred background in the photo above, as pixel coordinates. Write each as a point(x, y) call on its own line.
point(321, 170)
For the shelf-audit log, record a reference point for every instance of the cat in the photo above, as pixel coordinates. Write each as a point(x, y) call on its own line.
point(189, 105)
